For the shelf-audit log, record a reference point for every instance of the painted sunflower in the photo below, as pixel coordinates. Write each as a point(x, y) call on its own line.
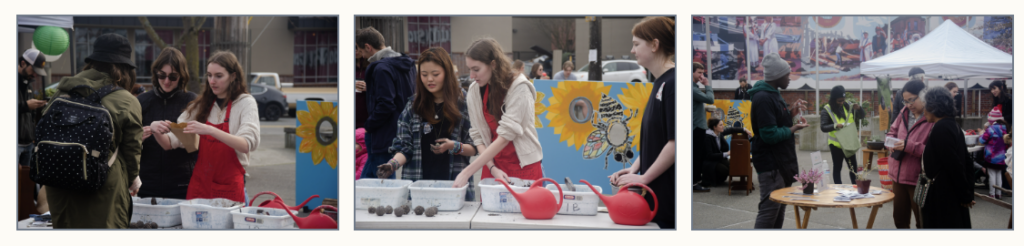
point(573, 131)
point(539, 109)
point(635, 96)
point(321, 147)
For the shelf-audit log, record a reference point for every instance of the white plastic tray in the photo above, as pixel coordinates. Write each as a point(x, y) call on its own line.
point(373, 192)
point(439, 193)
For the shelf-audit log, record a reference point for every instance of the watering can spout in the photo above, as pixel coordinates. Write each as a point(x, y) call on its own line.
point(303, 204)
point(604, 198)
point(510, 191)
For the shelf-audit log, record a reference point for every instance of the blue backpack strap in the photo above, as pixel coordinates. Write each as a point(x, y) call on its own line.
point(102, 92)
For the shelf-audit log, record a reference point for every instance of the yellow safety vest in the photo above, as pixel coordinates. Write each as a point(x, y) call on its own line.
point(832, 139)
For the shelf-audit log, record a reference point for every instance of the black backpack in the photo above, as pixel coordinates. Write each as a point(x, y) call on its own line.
point(74, 141)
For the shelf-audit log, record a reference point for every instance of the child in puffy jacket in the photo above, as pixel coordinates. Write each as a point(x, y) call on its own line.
point(995, 151)
point(361, 154)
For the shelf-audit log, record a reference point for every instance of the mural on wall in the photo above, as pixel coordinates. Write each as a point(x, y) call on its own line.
point(317, 134)
point(591, 129)
point(734, 113)
point(829, 48)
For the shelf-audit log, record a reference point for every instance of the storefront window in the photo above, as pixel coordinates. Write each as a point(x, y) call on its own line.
point(316, 57)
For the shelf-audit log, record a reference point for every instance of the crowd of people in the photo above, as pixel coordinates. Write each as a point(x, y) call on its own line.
point(931, 146)
point(223, 114)
point(423, 123)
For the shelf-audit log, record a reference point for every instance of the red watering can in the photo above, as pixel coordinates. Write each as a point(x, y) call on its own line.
point(270, 204)
point(537, 202)
point(315, 220)
point(628, 208)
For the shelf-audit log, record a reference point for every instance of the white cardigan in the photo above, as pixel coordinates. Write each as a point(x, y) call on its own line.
point(516, 123)
point(244, 122)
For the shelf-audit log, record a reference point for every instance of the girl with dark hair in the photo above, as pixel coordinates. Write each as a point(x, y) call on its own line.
point(947, 165)
point(168, 172)
point(228, 123)
point(433, 141)
point(716, 162)
point(836, 115)
point(537, 71)
point(912, 132)
point(110, 206)
point(1003, 99)
point(654, 45)
point(501, 110)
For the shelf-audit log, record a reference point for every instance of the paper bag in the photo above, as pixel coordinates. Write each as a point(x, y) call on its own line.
point(190, 141)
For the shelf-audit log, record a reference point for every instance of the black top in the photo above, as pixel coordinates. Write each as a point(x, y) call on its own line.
point(26, 116)
point(165, 173)
point(946, 160)
point(657, 128)
point(741, 93)
point(435, 166)
point(221, 101)
point(718, 145)
point(769, 109)
point(1007, 103)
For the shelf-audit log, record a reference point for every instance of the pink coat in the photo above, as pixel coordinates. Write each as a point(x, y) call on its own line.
point(906, 172)
point(362, 155)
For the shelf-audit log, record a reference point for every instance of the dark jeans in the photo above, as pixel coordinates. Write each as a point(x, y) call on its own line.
point(903, 204)
point(837, 164)
point(770, 214)
point(699, 151)
point(372, 161)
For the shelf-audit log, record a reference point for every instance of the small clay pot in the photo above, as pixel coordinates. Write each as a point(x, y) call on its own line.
point(399, 212)
point(419, 210)
point(380, 211)
point(153, 225)
point(140, 225)
point(405, 209)
point(373, 210)
point(388, 209)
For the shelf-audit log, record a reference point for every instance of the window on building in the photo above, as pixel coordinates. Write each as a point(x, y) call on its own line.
point(146, 51)
point(85, 37)
point(316, 57)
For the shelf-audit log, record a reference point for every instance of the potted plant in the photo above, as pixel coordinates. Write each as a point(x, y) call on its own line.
point(863, 183)
point(808, 178)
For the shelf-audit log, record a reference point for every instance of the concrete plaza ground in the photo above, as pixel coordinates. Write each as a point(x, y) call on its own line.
point(716, 210)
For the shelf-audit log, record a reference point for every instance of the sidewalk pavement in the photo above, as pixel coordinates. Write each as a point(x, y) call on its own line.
point(717, 210)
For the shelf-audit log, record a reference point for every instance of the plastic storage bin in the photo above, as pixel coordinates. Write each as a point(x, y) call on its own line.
point(251, 218)
point(579, 202)
point(495, 197)
point(437, 193)
point(208, 213)
point(166, 213)
point(373, 192)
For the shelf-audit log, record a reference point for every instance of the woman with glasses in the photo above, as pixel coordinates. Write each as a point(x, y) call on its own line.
point(912, 131)
point(166, 173)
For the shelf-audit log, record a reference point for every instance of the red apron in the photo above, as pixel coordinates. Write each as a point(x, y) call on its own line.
point(507, 160)
point(217, 174)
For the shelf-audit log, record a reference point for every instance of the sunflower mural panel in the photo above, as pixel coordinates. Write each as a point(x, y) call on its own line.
point(735, 113)
point(590, 129)
point(316, 155)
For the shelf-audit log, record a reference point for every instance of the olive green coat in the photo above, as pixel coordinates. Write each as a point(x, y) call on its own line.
point(109, 207)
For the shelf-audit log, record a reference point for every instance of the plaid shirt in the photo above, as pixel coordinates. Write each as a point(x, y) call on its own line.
point(407, 141)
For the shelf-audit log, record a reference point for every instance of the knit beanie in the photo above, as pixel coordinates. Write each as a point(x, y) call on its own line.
point(774, 67)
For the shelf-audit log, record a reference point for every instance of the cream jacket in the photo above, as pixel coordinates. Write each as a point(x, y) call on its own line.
point(517, 123)
point(244, 122)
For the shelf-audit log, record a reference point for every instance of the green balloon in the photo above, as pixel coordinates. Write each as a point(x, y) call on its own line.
point(51, 40)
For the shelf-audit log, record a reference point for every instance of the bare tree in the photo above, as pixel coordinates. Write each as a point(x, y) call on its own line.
point(561, 31)
point(189, 37)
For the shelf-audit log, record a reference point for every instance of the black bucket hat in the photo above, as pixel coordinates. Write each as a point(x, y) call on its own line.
point(112, 48)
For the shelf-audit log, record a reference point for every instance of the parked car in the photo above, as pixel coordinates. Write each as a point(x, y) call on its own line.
point(271, 102)
point(318, 93)
point(617, 71)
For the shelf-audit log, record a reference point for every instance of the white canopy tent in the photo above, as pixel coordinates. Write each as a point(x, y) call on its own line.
point(947, 50)
point(27, 23)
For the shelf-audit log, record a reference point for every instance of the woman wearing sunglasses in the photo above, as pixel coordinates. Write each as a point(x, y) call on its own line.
point(166, 173)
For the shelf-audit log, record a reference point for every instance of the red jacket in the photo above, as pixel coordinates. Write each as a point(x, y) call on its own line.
point(906, 172)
